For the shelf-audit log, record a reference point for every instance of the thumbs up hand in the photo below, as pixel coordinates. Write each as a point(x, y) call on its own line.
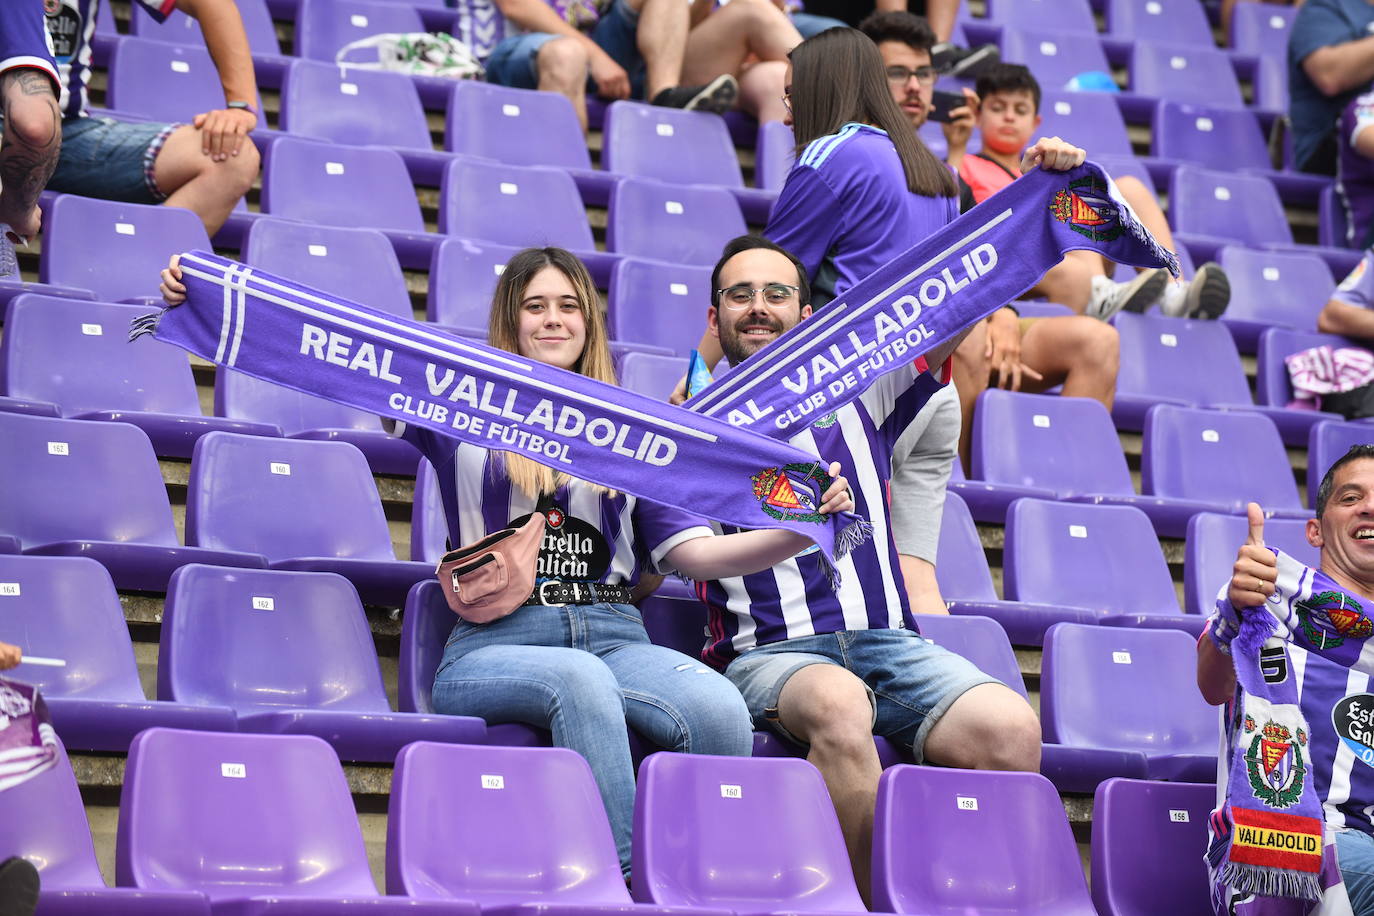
point(1256, 569)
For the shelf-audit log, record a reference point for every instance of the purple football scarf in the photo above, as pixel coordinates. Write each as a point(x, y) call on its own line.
point(290, 334)
point(928, 295)
point(28, 744)
point(1269, 837)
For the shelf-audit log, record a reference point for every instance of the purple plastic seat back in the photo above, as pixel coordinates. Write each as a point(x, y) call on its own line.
point(1327, 442)
point(686, 147)
point(1035, 440)
point(67, 608)
point(1273, 385)
point(1178, 21)
point(44, 820)
point(1120, 165)
point(651, 374)
point(1193, 453)
point(340, 185)
point(325, 26)
point(1262, 29)
point(1185, 73)
point(163, 81)
point(359, 264)
point(1218, 138)
point(1228, 205)
point(1091, 120)
point(428, 528)
point(1131, 815)
point(554, 844)
point(243, 397)
point(135, 242)
point(1278, 287)
point(78, 355)
point(1125, 688)
point(513, 205)
point(657, 303)
point(1067, 15)
point(1213, 540)
point(694, 814)
point(290, 497)
point(1271, 90)
point(1079, 554)
point(63, 480)
point(1192, 361)
point(967, 852)
point(425, 628)
point(981, 640)
point(961, 567)
point(678, 223)
point(182, 29)
point(514, 126)
point(463, 274)
point(350, 105)
point(1055, 55)
point(774, 154)
point(238, 815)
point(1332, 225)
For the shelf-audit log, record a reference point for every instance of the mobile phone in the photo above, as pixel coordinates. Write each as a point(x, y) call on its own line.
point(942, 103)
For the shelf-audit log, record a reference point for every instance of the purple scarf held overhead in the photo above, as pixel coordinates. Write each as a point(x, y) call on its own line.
point(284, 332)
point(927, 295)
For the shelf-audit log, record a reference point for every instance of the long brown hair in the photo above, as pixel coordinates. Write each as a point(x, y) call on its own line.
point(838, 77)
point(503, 332)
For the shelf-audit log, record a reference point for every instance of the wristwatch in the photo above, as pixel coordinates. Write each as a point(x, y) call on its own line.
point(244, 106)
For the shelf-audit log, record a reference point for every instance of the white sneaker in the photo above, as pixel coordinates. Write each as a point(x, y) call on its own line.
point(1135, 295)
point(1174, 301)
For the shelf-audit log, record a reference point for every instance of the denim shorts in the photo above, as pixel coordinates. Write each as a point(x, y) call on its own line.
point(512, 61)
point(1355, 856)
point(109, 159)
point(910, 682)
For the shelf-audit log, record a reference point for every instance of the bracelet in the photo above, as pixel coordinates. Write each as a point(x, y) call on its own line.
point(244, 106)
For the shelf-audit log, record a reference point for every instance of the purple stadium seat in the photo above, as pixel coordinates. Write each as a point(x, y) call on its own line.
point(11, 288)
point(658, 303)
point(44, 820)
point(1329, 441)
point(30, 407)
point(73, 488)
point(961, 569)
point(1217, 138)
point(1183, 361)
point(1055, 55)
point(1261, 29)
point(1271, 93)
point(1091, 120)
point(651, 374)
point(1121, 701)
point(1272, 288)
point(1146, 841)
point(428, 529)
point(309, 506)
point(462, 278)
point(774, 154)
point(77, 355)
point(1213, 541)
point(163, 81)
point(1191, 453)
point(695, 814)
point(258, 823)
point(1273, 385)
point(1332, 224)
point(682, 147)
point(979, 639)
point(1078, 555)
point(290, 653)
point(673, 617)
point(66, 608)
point(180, 28)
point(1046, 447)
point(9, 544)
point(1179, 21)
point(1185, 73)
point(967, 852)
point(1067, 15)
point(135, 241)
point(325, 26)
point(353, 106)
point(519, 205)
point(686, 225)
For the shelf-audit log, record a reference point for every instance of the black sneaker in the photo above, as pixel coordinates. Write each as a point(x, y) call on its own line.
point(716, 96)
point(18, 887)
point(1209, 292)
point(966, 63)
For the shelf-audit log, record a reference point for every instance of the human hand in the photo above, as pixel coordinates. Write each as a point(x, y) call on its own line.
point(25, 226)
point(223, 131)
point(10, 656)
point(679, 395)
point(837, 497)
point(1052, 154)
point(960, 125)
point(612, 82)
point(1256, 569)
point(1003, 350)
point(172, 289)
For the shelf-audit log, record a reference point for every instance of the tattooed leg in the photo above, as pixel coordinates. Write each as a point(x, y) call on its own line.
point(32, 140)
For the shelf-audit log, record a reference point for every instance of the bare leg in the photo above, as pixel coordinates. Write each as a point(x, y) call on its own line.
point(193, 180)
point(1080, 353)
point(990, 727)
point(32, 141)
point(735, 33)
point(562, 66)
point(1070, 281)
point(760, 90)
point(971, 370)
point(662, 40)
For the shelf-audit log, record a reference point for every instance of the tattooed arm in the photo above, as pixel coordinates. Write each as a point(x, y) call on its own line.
point(32, 140)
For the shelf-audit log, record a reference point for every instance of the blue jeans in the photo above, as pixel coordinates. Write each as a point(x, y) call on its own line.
point(512, 61)
point(109, 159)
point(1355, 855)
point(583, 672)
point(809, 24)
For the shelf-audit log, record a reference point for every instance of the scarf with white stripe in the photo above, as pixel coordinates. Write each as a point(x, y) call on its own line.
point(28, 744)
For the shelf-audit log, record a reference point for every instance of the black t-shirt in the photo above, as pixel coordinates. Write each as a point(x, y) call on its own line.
point(852, 12)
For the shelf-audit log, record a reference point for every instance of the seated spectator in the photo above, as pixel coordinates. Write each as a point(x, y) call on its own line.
point(28, 152)
point(1348, 311)
point(749, 39)
point(1330, 61)
point(1355, 170)
point(206, 166)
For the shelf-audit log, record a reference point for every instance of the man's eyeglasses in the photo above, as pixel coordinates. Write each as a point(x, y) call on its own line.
point(898, 75)
point(775, 295)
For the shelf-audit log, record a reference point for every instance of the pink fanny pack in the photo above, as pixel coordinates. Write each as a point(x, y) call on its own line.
point(490, 578)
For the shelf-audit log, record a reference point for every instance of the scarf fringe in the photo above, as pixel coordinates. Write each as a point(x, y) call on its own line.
point(1270, 882)
point(852, 536)
point(145, 324)
point(1137, 229)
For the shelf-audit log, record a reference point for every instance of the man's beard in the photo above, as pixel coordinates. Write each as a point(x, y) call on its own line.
point(736, 345)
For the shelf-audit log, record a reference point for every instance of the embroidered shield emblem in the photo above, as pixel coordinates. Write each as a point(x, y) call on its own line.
point(791, 493)
point(1329, 618)
point(1275, 766)
point(1088, 209)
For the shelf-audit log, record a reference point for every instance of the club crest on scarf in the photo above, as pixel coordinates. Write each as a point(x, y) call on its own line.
point(1274, 763)
point(792, 492)
point(1329, 618)
point(1088, 209)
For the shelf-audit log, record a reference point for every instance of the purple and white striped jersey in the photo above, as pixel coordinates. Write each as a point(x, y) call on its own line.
point(794, 598)
point(71, 23)
point(591, 537)
point(1358, 286)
